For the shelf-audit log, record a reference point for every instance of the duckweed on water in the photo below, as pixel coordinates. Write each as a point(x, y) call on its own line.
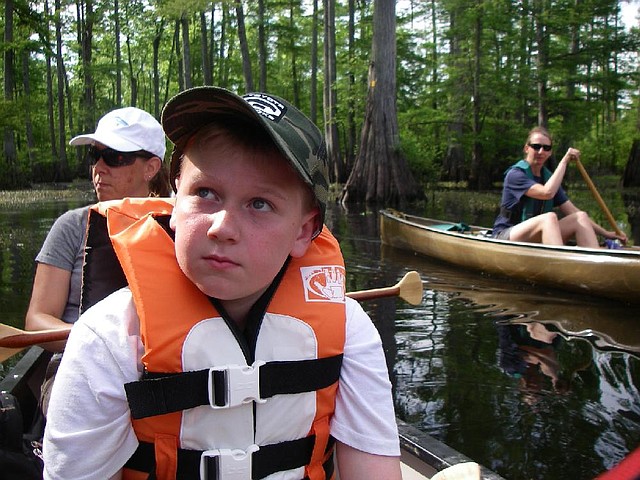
point(80, 191)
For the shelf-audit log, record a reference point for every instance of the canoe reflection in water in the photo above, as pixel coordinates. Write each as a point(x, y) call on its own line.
point(530, 352)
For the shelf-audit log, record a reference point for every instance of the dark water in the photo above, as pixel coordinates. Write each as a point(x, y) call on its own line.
point(465, 364)
point(23, 227)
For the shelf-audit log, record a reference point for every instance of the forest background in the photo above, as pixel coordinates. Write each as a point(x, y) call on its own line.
point(472, 76)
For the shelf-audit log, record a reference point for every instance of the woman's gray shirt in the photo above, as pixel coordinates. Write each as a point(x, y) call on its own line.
point(64, 248)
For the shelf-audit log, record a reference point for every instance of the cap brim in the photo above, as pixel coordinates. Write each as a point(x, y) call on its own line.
point(192, 109)
point(112, 141)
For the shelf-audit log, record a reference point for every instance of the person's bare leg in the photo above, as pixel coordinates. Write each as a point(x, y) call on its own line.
point(543, 228)
point(579, 225)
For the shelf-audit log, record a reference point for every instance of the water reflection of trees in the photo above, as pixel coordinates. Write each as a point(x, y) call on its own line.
point(365, 271)
point(585, 405)
point(22, 231)
point(619, 393)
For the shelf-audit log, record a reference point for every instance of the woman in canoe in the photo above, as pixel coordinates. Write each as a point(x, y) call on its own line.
point(531, 192)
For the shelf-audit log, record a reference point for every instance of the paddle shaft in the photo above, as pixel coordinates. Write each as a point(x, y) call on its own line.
point(22, 338)
point(11, 337)
point(374, 293)
point(596, 195)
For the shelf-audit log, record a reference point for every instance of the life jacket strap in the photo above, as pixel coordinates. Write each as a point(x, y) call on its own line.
point(210, 465)
point(229, 386)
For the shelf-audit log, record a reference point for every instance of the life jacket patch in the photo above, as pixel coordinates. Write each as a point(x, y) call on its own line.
point(323, 283)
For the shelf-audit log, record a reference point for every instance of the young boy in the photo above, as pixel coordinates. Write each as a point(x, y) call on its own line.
point(221, 359)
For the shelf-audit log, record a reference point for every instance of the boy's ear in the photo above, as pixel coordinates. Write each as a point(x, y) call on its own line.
point(307, 232)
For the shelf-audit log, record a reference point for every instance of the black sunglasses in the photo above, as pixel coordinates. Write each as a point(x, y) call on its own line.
point(114, 158)
point(538, 146)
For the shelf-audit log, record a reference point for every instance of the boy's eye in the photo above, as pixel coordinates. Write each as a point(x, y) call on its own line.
point(260, 204)
point(203, 192)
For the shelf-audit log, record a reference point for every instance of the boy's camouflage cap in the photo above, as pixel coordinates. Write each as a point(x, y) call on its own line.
point(299, 140)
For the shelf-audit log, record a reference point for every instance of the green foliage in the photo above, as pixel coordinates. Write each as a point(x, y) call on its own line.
point(590, 74)
point(11, 115)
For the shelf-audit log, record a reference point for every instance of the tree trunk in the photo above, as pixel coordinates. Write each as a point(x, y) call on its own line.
point(244, 48)
point(212, 41)
point(381, 174)
point(28, 126)
point(133, 79)
point(50, 108)
point(314, 65)
point(479, 176)
point(204, 51)
point(88, 97)
point(262, 46)
point(336, 167)
point(179, 62)
point(351, 107)
point(10, 154)
point(434, 54)
point(62, 134)
point(231, 45)
point(67, 90)
point(631, 176)
point(522, 112)
point(186, 52)
point(294, 56)
point(222, 76)
point(542, 61)
point(156, 68)
point(453, 164)
point(116, 16)
point(172, 56)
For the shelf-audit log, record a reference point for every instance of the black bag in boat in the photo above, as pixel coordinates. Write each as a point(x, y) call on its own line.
point(19, 458)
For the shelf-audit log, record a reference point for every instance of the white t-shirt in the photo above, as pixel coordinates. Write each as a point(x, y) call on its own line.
point(89, 433)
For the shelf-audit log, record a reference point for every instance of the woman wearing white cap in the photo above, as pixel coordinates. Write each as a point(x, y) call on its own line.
point(126, 155)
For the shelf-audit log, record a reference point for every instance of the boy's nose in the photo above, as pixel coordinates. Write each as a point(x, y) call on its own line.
point(223, 226)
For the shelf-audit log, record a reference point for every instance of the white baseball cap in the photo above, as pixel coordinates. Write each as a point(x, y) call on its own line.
point(127, 129)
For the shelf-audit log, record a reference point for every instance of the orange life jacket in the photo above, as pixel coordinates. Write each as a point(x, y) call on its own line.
point(257, 409)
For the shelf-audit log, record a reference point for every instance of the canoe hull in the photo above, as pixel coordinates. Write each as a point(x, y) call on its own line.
point(613, 274)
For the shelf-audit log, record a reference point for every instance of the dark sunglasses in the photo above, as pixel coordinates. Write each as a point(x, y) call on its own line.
point(538, 146)
point(114, 158)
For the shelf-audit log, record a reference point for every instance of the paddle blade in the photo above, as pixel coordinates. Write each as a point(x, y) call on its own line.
point(6, 353)
point(460, 471)
point(411, 288)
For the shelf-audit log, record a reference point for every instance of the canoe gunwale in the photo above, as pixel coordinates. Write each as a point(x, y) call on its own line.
point(433, 452)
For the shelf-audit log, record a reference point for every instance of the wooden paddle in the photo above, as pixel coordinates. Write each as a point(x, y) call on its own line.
point(596, 195)
point(12, 339)
point(409, 289)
